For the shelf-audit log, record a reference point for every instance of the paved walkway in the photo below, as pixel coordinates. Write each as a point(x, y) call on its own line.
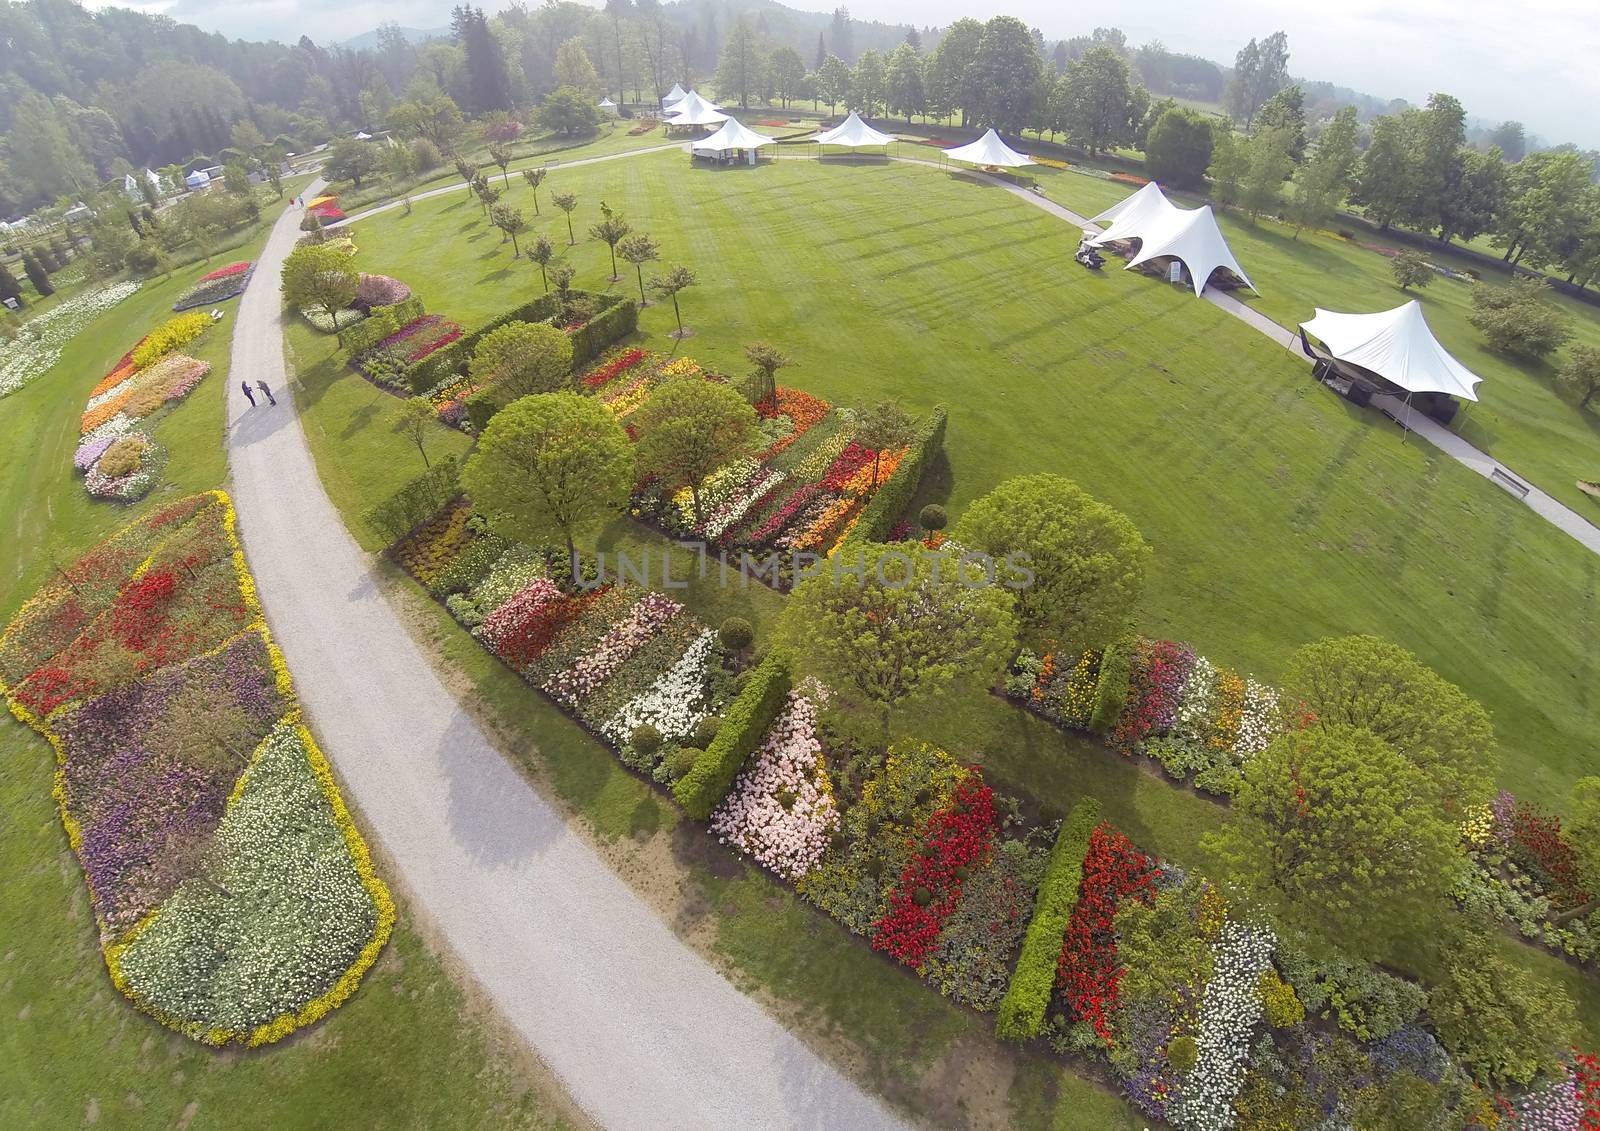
point(641, 1030)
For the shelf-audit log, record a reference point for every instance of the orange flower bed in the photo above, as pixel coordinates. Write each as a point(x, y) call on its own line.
point(803, 409)
point(125, 369)
point(860, 480)
point(101, 413)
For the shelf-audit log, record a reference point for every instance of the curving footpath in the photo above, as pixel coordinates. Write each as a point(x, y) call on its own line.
point(641, 1030)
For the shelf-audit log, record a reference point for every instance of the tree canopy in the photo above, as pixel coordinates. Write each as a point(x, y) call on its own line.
point(520, 358)
point(688, 428)
point(320, 276)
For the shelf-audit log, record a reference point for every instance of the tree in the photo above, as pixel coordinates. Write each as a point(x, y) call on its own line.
point(788, 72)
point(953, 80)
point(740, 67)
point(868, 83)
point(1088, 560)
point(1580, 376)
point(508, 219)
point(1177, 149)
point(690, 427)
point(1473, 194)
point(1260, 70)
point(905, 91)
point(1286, 110)
point(1007, 69)
point(896, 628)
point(1582, 830)
point(883, 427)
point(9, 287)
point(568, 111)
point(1546, 195)
point(541, 251)
point(236, 179)
point(1268, 166)
point(522, 358)
point(1411, 270)
point(1440, 136)
point(568, 203)
point(1510, 139)
point(668, 285)
point(1516, 319)
point(1099, 108)
point(353, 161)
point(639, 249)
point(500, 154)
point(1321, 184)
point(1230, 167)
point(611, 230)
point(1502, 1023)
point(574, 71)
point(1389, 173)
point(1335, 833)
point(37, 275)
point(414, 420)
point(320, 276)
point(535, 178)
point(561, 274)
point(833, 81)
point(434, 117)
point(488, 78)
point(766, 361)
point(549, 467)
point(1369, 682)
point(618, 10)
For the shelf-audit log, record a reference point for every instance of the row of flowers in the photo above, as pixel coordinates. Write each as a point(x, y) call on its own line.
point(39, 342)
point(217, 286)
point(386, 363)
point(235, 899)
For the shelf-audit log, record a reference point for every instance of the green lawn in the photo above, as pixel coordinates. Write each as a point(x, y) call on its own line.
point(72, 1049)
point(1522, 418)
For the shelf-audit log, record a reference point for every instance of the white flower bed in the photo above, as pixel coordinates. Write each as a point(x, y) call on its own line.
point(721, 486)
point(622, 640)
point(1228, 1012)
point(1195, 708)
point(730, 512)
point(117, 427)
point(673, 704)
point(41, 340)
point(780, 810)
point(1258, 722)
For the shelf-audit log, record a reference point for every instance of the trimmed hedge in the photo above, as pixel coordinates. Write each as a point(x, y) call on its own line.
point(617, 317)
point(744, 727)
point(481, 407)
point(416, 502)
point(1034, 979)
point(1115, 683)
point(894, 495)
point(382, 322)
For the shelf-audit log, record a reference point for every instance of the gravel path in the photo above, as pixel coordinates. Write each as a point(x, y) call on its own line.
point(640, 1029)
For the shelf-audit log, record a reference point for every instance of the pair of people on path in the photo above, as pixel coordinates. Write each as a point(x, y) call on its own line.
point(244, 387)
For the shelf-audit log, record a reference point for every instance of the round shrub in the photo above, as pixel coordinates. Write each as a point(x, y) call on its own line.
point(922, 897)
point(682, 760)
point(380, 290)
point(122, 458)
point(646, 739)
point(1279, 1001)
point(933, 517)
point(1183, 1053)
point(705, 730)
point(736, 634)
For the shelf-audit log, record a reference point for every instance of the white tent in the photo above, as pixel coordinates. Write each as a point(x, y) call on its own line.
point(989, 150)
point(731, 136)
point(1165, 230)
point(852, 133)
point(1398, 346)
point(672, 96)
point(692, 110)
point(607, 104)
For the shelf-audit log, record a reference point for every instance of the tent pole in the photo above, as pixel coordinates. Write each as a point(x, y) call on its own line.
point(1405, 429)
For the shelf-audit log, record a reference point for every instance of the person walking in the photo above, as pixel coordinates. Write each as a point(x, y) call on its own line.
point(266, 392)
point(248, 395)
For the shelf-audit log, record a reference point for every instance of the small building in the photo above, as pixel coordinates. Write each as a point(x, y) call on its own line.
point(197, 180)
point(78, 213)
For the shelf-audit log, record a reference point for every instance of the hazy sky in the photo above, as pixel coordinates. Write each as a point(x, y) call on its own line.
point(1534, 60)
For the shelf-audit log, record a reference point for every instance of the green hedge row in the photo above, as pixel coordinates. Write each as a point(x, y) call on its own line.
point(1034, 979)
point(894, 495)
point(382, 322)
point(618, 317)
point(1115, 684)
point(744, 727)
point(416, 502)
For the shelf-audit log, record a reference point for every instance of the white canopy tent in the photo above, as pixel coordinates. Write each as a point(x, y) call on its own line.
point(1398, 346)
point(670, 99)
point(692, 110)
point(989, 150)
point(1164, 230)
point(607, 104)
point(853, 133)
point(731, 136)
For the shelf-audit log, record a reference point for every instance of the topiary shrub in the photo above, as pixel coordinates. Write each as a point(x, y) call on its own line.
point(736, 634)
point(646, 739)
point(743, 728)
point(1111, 693)
point(1279, 1001)
point(933, 517)
point(682, 760)
point(705, 731)
point(1184, 1053)
point(122, 458)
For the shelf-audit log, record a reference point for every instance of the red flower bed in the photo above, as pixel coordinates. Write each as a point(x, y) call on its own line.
point(1586, 1073)
point(327, 212)
point(607, 371)
point(140, 609)
point(930, 888)
point(434, 345)
point(780, 518)
point(525, 639)
point(1130, 179)
point(851, 460)
point(225, 272)
point(1538, 843)
point(1087, 972)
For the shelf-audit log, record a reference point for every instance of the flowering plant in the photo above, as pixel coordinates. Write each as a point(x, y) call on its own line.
point(1087, 972)
point(219, 286)
point(39, 342)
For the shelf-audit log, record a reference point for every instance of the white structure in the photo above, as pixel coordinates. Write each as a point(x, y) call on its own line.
point(608, 106)
point(197, 180)
point(989, 150)
point(730, 137)
point(671, 98)
point(692, 110)
point(1396, 345)
point(1164, 230)
point(853, 133)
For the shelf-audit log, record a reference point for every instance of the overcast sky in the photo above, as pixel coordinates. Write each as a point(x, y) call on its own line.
point(1535, 60)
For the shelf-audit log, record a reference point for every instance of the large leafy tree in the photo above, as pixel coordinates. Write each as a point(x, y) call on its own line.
point(741, 66)
point(1087, 559)
point(320, 276)
point(888, 629)
point(1519, 319)
point(1260, 70)
point(690, 427)
point(1268, 164)
point(952, 72)
point(833, 81)
point(869, 84)
point(1474, 192)
point(1177, 149)
point(520, 358)
point(1547, 197)
point(1371, 683)
point(1580, 373)
point(1286, 110)
point(1099, 104)
point(1006, 73)
point(1321, 184)
point(1336, 833)
point(907, 93)
point(788, 73)
point(1389, 173)
point(569, 111)
point(353, 161)
point(548, 467)
point(488, 77)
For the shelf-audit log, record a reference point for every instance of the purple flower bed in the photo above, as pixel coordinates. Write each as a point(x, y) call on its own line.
point(380, 290)
point(147, 770)
point(86, 455)
point(215, 290)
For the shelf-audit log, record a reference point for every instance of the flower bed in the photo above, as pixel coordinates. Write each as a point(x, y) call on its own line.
point(380, 290)
point(39, 342)
point(192, 796)
point(218, 286)
point(386, 363)
point(127, 397)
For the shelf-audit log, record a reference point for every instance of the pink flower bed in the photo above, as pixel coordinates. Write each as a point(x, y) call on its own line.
point(380, 290)
point(226, 272)
point(646, 618)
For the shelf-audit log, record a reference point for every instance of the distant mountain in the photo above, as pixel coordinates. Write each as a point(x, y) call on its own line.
point(368, 40)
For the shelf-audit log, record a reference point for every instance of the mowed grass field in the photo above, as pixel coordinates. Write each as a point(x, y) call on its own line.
point(1523, 417)
point(73, 1051)
point(1278, 514)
